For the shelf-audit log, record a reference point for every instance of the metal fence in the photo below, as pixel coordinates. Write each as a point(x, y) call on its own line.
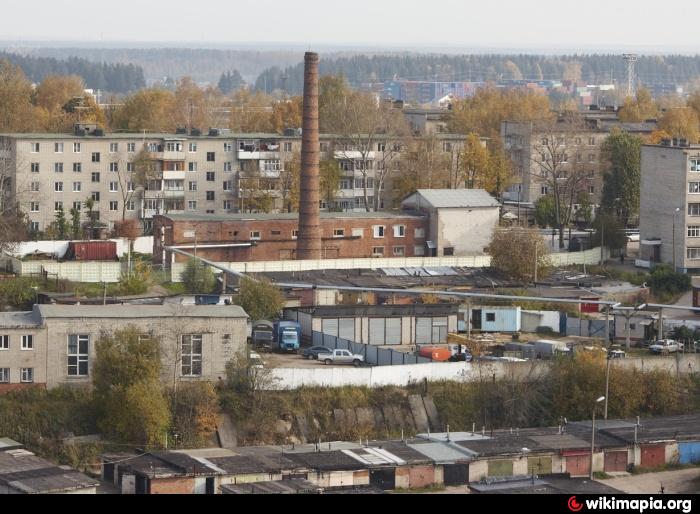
point(372, 354)
point(588, 327)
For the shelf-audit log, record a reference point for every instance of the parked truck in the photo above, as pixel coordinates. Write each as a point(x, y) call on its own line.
point(341, 357)
point(549, 349)
point(286, 336)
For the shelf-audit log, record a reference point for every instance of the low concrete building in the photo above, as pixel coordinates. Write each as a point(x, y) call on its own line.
point(55, 344)
point(462, 221)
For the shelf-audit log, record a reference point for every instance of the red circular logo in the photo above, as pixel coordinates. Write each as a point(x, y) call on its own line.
point(575, 506)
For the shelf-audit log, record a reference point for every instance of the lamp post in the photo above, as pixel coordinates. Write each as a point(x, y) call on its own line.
point(674, 237)
point(595, 405)
point(607, 384)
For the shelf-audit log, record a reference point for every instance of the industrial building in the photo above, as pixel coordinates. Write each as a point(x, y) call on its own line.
point(55, 344)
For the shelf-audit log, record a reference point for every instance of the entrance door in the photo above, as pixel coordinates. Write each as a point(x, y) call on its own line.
point(578, 465)
point(653, 455)
point(383, 479)
point(615, 461)
point(456, 474)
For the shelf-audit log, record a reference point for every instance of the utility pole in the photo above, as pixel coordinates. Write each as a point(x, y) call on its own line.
point(631, 60)
point(536, 258)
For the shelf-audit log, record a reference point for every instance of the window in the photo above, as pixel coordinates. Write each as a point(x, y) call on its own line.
point(28, 342)
point(211, 196)
point(378, 231)
point(449, 252)
point(578, 140)
point(694, 253)
point(378, 251)
point(228, 166)
point(192, 205)
point(173, 147)
point(114, 166)
point(95, 195)
point(113, 147)
point(130, 167)
point(228, 205)
point(419, 251)
point(131, 147)
point(4, 342)
point(446, 147)
point(95, 156)
point(77, 167)
point(544, 190)
point(192, 186)
point(58, 147)
point(211, 157)
point(114, 187)
point(192, 355)
point(4, 375)
point(295, 234)
point(95, 176)
point(130, 206)
point(78, 355)
point(34, 207)
point(77, 206)
point(591, 141)
point(192, 166)
point(113, 205)
point(358, 232)
point(399, 251)
point(58, 187)
point(491, 317)
point(77, 187)
point(420, 233)
point(34, 226)
point(35, 147)
point(153, 147)
point(339, 232)
point(35, 167)
point(228, 185)
point(130, 187)
point(694, 209)
point(591, 190)
point(26, 375)
point(255, 235)
point(228, 147)
point(287, 147)
point(58, 206)
point(272, 165)
point(193, 147)
point(694, 164)
point(211, 176)
point(399, 231)
point(694, 187)
point(210, 212)
point(35, 186)
point(58, 167)
point(694, 231)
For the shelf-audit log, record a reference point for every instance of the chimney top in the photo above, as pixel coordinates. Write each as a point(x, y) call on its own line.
point(311, 56)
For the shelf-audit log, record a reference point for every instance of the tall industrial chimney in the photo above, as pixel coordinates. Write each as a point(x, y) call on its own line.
point(309, 238)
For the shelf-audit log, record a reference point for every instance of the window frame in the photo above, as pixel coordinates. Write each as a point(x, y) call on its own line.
point(192, 356)
point(79, 356)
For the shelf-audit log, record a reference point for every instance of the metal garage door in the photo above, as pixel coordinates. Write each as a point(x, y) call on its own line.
point(615, 461)
point(439, 330)
point(456, 474)
point(346, 329)
point(393, 331)
point(330, 327)
point(424, 330)
point(384, 479)
point(376, 331)
point(500, 468)
point(653, 455)
point(578, 465)
point(689, 453)
point(539, 466)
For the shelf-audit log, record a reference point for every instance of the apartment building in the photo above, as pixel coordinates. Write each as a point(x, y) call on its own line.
point(214, 173)
point(55, 344)
point(579, 146)
point(670, 204)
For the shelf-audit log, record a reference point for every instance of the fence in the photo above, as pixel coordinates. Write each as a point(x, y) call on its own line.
point(588, 327)
point(83, 271)
point(372, 354)
point(141, 245)
point(589, 257)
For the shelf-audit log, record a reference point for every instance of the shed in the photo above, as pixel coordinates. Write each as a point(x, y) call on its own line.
point(496, 319)
point(91, 251)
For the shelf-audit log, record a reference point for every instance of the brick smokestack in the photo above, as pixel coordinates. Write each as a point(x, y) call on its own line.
point(309, 238)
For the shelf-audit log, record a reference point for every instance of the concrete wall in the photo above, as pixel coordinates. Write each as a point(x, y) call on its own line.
point(59, 248)
point(468, 231)
point(82, 271)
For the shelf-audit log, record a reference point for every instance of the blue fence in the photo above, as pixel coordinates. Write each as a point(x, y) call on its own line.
point(372, 354)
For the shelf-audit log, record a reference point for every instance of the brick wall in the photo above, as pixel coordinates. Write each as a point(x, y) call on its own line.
point(172, 486)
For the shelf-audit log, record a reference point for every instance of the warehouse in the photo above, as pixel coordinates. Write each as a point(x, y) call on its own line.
point(380, 325)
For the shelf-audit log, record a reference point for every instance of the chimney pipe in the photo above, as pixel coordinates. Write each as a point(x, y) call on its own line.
point(309, 238)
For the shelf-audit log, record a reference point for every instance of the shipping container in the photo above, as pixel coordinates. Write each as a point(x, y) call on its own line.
point(436, 354)
point(91, 251)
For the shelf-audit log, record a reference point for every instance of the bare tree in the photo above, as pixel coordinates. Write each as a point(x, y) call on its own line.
point(133, 174)
point(14, 189)
point(558, 166)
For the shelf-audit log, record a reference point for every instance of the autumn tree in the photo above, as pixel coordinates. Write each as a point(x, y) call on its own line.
point(330, 176)
point(287, 114)
point(477, 162)
point(63, 100)
point(261, 299)
point(195, 413)
point(196, 107)
point(621, 155)
point(424, 166)
point(639, 108)
point(515, 251)
point(17, 114)
point(198, 278)
point(251, 112)
point(151, 110)
point(682, 123)
point(288, 184)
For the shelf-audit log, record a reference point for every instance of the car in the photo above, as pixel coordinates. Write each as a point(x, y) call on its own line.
point(256, 361)
point(617, 354)
point(312, 353)
point(666, 346)
point(341, 357)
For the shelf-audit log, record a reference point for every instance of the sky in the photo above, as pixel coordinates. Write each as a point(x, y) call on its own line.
point(411, 24)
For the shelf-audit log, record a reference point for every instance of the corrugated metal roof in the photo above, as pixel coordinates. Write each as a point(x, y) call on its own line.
point(456, 198)
point(443, 453)
point(140, 311)
point(290, 216)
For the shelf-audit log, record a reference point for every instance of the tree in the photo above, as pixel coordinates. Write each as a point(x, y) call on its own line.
point(425, 166)
point(330, 175)
point(61, 224)
point(477, 162)
point(515, 251)
point(681, 122)
point(195, 412)
point(287, 114)
point(89, 205)
point(640, 108)
point(198, 278)
point(261, 300)
point(289, 183)
point(134, 175)
point(151, 110)
point(17, 114)
point(545, 215)
point(251, 112)
point(75, 226)
point(621, 153)
point(126, 380)
point(563, 179)
point(230, 81)
point(608, 231)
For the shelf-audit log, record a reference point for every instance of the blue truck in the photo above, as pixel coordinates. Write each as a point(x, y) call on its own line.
point(279, 335)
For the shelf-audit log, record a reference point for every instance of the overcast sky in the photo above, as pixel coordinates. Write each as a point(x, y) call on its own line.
point(512, 24)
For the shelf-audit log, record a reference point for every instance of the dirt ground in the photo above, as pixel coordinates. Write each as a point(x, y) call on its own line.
point(684, 481)
point(288, 360)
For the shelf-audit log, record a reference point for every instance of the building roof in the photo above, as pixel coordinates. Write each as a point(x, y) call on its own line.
point(293, 486)
point(381, 310)
point(26, 473)
point(290, 216)
point(19, 319)
point(327, 461)
point(140, 311)
point(678, 428)
point(453, 198)
point(442, 452)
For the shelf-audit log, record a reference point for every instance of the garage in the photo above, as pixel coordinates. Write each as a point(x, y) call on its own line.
point(346, 329)
point(539, 466)
point(500, 468)
point(653, 455)
point(616, 461)
point(421, 477)
point(377, 327)
point(579, 464)
point(456, 474)
point(330, 327)
point(384, 479)
point(689, 453)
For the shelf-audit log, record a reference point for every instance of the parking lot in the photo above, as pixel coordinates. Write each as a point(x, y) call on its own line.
point(288, 360)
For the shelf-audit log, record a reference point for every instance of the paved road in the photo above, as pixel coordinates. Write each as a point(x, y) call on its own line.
point(685, 481)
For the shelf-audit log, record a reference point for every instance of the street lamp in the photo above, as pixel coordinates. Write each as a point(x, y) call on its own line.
point(674, 237)
point(599, 400)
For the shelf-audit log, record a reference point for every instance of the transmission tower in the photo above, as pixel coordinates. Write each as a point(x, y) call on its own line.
point(630, 59)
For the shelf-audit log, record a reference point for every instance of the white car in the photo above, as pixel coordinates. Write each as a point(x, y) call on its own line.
point(666, 346)
point(256, 361)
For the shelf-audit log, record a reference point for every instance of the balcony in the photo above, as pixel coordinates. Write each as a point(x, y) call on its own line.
point(244, 155)
point(174, 175)
point(170, 156)
point(174, 193)
point(353, 155)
